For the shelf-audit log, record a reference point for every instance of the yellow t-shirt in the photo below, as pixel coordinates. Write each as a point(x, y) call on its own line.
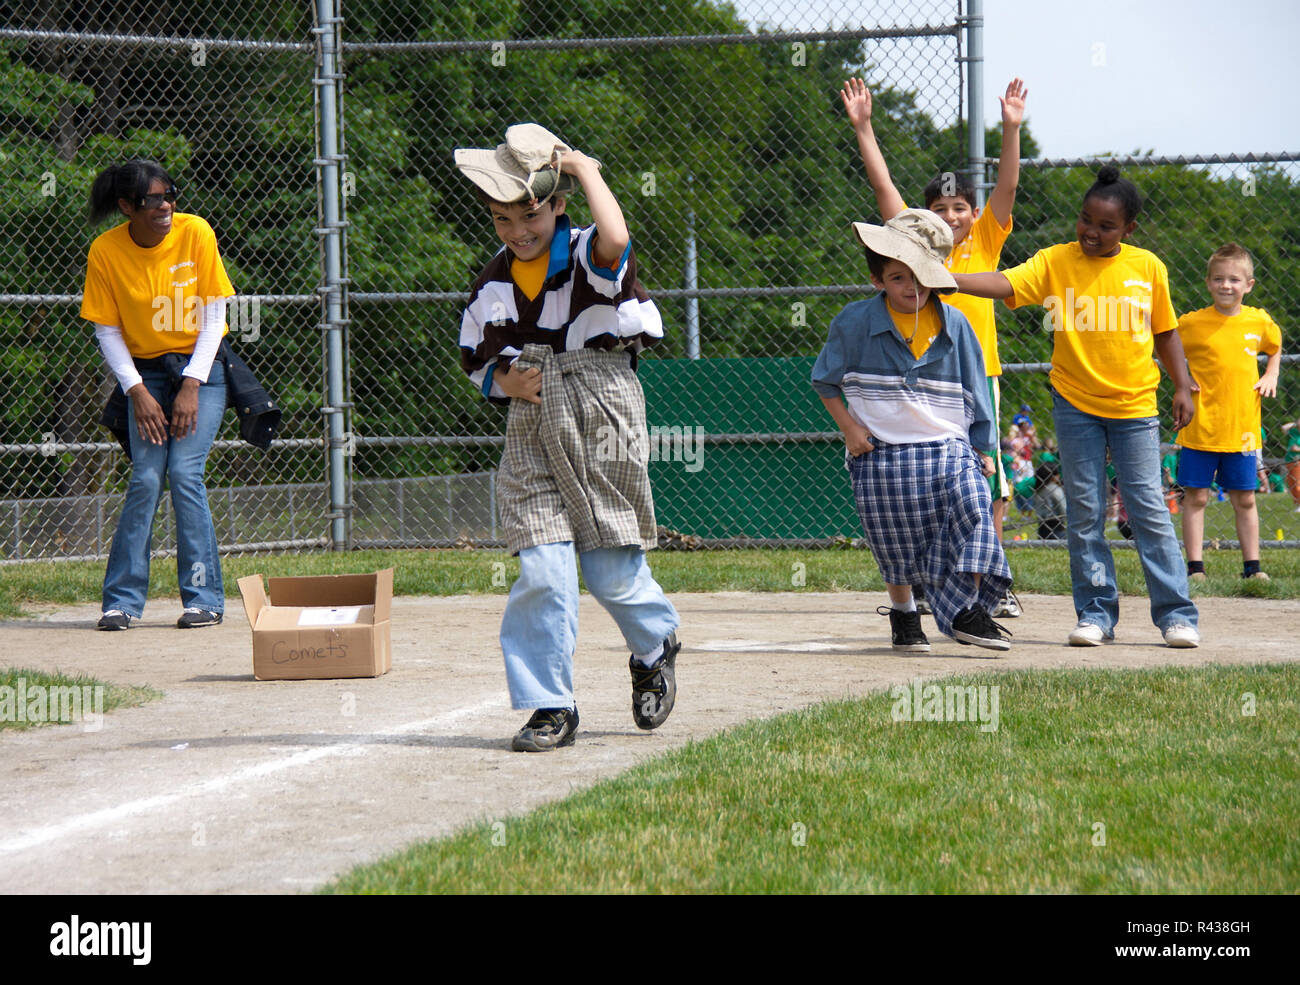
point(917, 330)
point(981, 250)
point(1221, 353)
point(530, 275)
point(1104, 313)
point(154, 293)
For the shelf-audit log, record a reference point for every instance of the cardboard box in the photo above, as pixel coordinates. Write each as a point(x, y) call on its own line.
point(320, 627)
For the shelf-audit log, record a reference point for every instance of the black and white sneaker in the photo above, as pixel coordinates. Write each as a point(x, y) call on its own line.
point(905, 629)
point(193, 618)
point(1009, 607)
point(113, 620)
point(549, 728)
point(974, 625)
point(654, 688)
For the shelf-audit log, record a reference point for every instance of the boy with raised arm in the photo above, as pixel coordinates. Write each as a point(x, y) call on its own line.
point(553, 326)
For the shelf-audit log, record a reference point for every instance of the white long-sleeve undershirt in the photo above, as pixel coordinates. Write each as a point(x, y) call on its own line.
point(118, 357)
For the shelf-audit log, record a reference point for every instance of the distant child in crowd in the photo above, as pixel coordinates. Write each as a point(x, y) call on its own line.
point(1292, 461)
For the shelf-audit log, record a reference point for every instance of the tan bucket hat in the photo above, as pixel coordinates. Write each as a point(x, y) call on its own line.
point(917, 238)
point(519, 170)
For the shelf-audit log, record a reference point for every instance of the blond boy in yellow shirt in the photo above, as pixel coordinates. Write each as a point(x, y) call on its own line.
point(1223, 343)
point(977, 236)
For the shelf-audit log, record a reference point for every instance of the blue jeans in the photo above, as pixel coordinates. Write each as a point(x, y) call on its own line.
point(539, 630)
point(1134, 445)
point(181, 462)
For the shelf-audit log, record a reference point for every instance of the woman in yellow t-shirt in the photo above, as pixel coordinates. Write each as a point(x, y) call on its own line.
point(1109, 308)
point(156, 292)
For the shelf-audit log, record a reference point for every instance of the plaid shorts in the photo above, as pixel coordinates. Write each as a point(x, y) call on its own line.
point(574, 467)
point(926, 512)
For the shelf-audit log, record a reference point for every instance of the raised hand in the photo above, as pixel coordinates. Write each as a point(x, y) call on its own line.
point(572, 161)
point(1013, 103)
point(857, 102)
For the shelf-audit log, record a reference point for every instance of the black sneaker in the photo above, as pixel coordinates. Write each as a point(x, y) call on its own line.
point(974, 625)
point(905, 628)
point(922, 606)
point(113, 620)
point(549, 728)
point(193, 618)
point(654, 688)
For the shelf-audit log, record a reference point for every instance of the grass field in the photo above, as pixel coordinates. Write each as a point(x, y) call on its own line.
point(1276, 512)
point(29, 698)
point(1092, 781)
point(454, 572)
point(1165, 781)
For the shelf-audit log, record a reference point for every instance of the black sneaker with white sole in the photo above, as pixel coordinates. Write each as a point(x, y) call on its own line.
point(193, 618)
point(905, 629)
point(654, 688)
point(114, 620)
point(549, 728)
point(974, 625)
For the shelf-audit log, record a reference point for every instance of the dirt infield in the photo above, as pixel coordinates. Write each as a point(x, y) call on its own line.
point(228, 785)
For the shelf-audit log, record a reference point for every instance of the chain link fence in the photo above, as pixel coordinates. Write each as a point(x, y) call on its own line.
point(230, 116)
point(722, 135)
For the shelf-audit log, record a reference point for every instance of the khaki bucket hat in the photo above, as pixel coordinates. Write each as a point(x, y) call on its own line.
point(917, 238)
point(520, 169)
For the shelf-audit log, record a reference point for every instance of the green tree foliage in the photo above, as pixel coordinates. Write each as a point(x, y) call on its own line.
point(747, 142)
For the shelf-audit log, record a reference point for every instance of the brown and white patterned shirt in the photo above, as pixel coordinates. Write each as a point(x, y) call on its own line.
point(581, 306)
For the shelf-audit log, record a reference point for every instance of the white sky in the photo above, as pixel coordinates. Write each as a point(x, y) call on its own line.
point(1168, 76)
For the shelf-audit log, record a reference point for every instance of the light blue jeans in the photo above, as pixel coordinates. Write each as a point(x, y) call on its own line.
point(1134, 445)
point(539, 630)
point(180, 461)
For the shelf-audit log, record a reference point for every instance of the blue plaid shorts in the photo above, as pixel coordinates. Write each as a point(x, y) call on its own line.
point(926, 512)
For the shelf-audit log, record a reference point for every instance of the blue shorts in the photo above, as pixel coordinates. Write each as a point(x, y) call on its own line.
point(1236, 469)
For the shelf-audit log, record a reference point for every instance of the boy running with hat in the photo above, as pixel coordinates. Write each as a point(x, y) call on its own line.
point(552, 328)
point(912, 374)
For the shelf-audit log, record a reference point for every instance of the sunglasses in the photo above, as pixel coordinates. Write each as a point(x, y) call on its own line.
point(156, 200)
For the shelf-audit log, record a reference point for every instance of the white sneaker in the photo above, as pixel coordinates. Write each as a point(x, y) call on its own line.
point(1086, 634)
point(1008, 608)
point(1182, 635)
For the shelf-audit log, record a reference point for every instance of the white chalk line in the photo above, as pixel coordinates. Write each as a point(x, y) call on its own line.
point(109, 815)
point(762, 646)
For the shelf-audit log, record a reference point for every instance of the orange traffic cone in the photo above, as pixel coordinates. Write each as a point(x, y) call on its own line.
point(1171, 498)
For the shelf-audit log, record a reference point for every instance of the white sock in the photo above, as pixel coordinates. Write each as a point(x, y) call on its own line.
point(908, 606)
point(647, 660)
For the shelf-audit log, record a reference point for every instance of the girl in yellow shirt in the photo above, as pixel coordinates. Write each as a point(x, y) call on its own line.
point(1108, 305)
point(156, 292)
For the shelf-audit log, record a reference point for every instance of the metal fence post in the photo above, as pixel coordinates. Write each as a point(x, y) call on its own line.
point(974, 24)
point(328, 82)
